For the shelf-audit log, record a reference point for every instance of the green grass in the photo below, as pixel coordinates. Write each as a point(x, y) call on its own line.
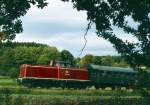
point(7, 82)
point(67, 100)
point(11, 92)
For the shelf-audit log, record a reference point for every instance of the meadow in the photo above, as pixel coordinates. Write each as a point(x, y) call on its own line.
point(13, 94)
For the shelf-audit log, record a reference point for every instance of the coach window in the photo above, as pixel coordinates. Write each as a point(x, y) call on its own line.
point(117, 74)
point(105, 73)
point(132, 75)
point(108, 73)
point(113, 74)
point(97, 75)
point(100, 73)
point(122, 74)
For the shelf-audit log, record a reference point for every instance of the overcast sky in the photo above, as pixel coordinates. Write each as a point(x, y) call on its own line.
point(61, 26)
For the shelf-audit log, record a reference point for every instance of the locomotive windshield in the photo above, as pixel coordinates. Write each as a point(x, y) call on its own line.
point(60, 63)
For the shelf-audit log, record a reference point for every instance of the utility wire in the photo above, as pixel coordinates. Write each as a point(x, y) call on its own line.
point(85, 38)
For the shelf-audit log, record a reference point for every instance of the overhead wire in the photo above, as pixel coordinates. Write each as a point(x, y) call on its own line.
point(85, 38)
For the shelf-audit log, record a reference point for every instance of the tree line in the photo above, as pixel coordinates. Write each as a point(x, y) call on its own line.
point(14, 54)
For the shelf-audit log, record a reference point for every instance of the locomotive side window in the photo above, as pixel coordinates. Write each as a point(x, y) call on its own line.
point(60, 63)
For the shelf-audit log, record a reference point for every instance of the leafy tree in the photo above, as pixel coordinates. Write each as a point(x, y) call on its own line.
point(119, 61)
point(15, 54)
point(86, 60)
point(24, 55)
point(122, 63)
point(10, 12)
point(47, 54)
point(97, 60)
point(115, 61)
point(107, 61)
point(77, 62)
point(65, 55)
point(6, 57)
point(6, 60)
point(107, 14)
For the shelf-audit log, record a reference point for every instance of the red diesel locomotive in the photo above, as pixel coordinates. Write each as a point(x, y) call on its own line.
point(58, 74)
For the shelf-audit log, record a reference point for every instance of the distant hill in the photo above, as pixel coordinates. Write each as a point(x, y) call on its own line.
point(17, 44)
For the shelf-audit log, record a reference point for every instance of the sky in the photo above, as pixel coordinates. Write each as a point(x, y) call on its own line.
point(61, 26)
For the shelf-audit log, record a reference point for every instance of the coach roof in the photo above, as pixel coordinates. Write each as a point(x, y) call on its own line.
point(108, 68)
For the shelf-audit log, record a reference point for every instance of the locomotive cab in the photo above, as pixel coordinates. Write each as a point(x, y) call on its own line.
point(60, 64)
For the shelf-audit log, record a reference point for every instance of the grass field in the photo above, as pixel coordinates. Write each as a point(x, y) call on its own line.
point(7, 82)
point(13, 94)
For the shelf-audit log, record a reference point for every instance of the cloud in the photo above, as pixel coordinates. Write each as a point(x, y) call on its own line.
point(53, 27)
point(56, 11)
point(74, 42)
point(60, 25)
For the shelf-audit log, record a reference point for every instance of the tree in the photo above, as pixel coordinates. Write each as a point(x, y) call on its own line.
point(97, 60)
point(10, 12)
point(86, 60)
point(65, 55)
point(107, 61)
point(119, 61)
point(106, 14)
point(15, 54)
point(47, 54)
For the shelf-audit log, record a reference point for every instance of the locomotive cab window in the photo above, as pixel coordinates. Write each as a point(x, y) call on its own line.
point(60, 63)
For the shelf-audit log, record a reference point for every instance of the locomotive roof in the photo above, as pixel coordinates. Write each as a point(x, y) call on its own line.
point(108, 68)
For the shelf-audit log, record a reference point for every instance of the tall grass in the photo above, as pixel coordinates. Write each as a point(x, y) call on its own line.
point(12, 94)
point(59, 100)
point(7, 82)
point(23, 96)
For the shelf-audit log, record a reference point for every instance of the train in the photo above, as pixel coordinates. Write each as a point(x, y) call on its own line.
point(62, 74)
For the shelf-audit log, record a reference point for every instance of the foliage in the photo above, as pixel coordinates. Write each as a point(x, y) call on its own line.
point(97, 60)
point(130, 16)
point(107, 14)
point(66, 56)
point(15, 54)
point(108, 60)
point(10, 13)
point(47, 54)
point(118, 61)
point(86, 60)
